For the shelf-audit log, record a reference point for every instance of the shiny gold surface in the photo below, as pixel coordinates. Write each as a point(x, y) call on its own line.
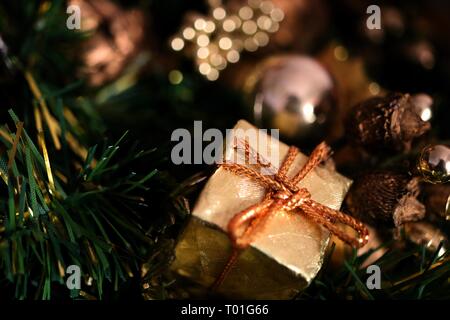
point(225, 33)
point(285, 256)
point(201, 254)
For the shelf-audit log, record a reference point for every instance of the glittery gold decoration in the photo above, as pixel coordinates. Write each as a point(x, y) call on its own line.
point(219, 39)
point(13, 151)
point(52, 127)
point(53, 124)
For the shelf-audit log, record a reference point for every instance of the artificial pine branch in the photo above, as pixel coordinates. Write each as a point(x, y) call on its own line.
point(64, 203)
point(98, 213)
point(86, 220)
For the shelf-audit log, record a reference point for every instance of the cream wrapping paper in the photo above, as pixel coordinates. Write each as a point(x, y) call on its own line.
point(285, 255)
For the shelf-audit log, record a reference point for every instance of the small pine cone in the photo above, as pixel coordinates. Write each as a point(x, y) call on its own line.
point(385, 123)
point(385, 199)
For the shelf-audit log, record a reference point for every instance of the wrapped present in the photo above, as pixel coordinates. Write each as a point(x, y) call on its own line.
point(260, 228)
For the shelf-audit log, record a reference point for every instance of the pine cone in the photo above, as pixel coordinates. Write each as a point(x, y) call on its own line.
point(385, 199)
point(389, 123)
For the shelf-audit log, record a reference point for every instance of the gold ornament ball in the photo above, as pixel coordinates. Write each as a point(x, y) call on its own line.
point(434, 164)
point(295, 94)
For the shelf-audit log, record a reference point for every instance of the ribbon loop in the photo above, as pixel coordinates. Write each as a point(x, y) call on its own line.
point(242, 225)
point(297, 200)
point(283, 194)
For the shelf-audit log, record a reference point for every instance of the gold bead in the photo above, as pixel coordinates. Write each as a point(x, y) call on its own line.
point(233, 56)
point(249, 27)
point(266, 7)
point(204, 68)
point(212, 75)
point(250, 45)
point(200, 24)
point(210, 27)
point(203, 53)
point(225, 43)
point(246, 13)
point(203, 40)
point(261, 38)
point(219, 13)
point(175, 77)
point(177, 44)
point(277, 15)
point(264, 22)
point(229, 25)
point(189, 33)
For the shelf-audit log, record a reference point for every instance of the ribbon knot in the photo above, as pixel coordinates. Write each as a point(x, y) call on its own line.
point(297, 199)
point(284, 194)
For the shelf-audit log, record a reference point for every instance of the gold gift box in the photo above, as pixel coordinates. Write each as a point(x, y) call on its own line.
point(285, 255)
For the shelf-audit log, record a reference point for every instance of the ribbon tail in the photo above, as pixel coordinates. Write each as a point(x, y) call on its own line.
point(226, 270)
point(328, 218)
point(248, 218)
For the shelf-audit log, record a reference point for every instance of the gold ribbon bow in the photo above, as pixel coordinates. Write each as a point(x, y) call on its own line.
point(283, 194)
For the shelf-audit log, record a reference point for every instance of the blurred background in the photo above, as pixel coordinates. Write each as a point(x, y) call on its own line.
point(150, 67)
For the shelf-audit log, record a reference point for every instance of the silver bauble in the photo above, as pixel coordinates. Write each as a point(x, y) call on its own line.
point(294, 94)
